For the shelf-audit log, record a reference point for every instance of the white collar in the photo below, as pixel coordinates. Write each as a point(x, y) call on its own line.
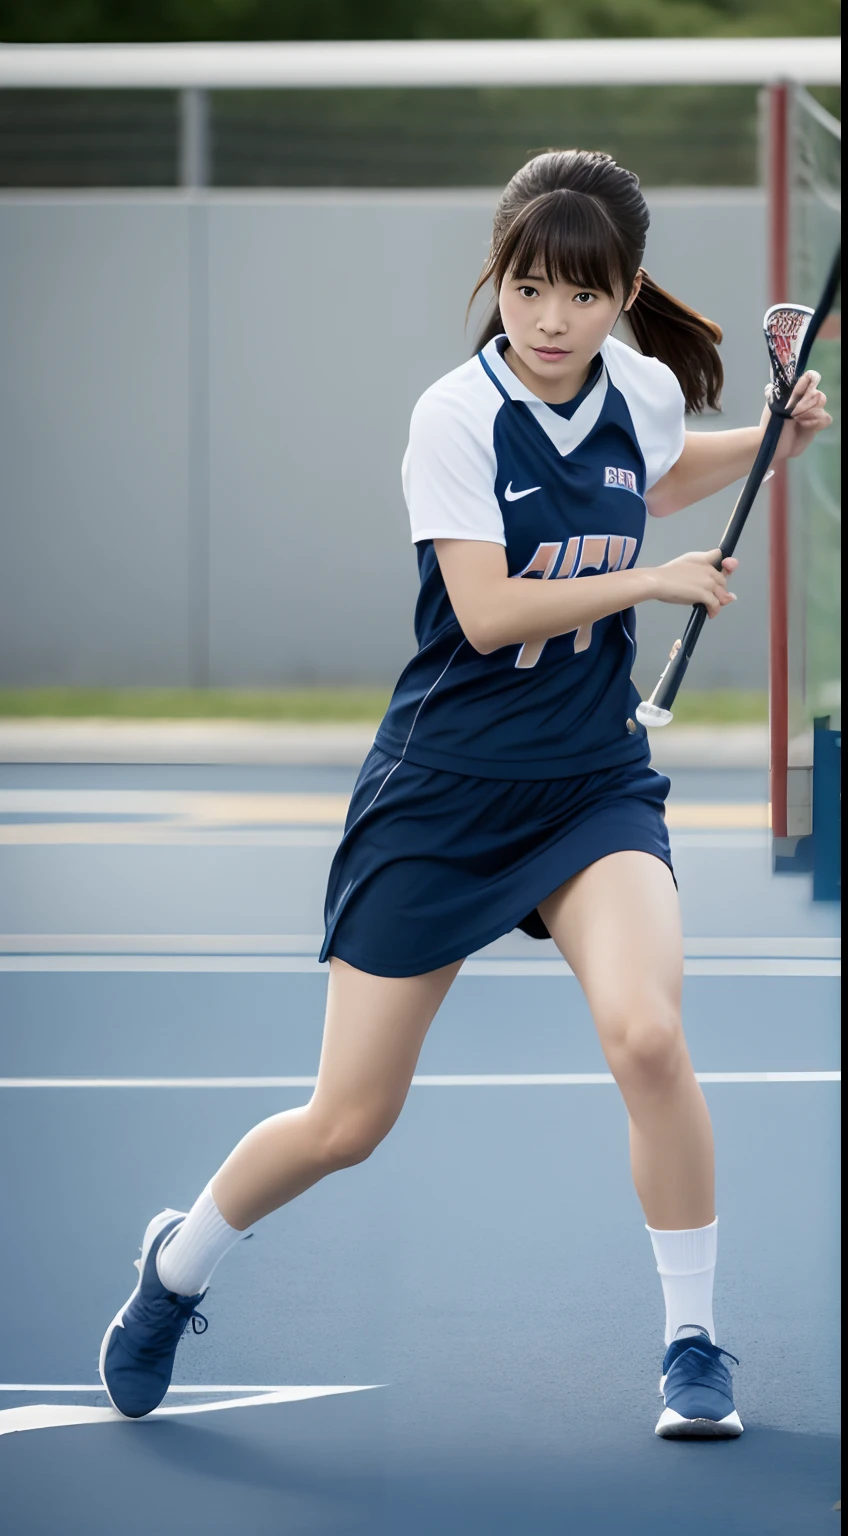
point(565, 433)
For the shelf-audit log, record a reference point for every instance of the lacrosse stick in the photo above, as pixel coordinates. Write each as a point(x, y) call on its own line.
point(790, 330)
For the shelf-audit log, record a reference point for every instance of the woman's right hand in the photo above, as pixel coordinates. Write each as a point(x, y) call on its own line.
point(696, 578)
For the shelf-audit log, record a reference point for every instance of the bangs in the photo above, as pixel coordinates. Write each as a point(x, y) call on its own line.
point(570, 236)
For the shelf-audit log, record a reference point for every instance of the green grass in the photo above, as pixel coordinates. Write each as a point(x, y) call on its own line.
point(306, 705)
point(722, 706)
point(295, 704)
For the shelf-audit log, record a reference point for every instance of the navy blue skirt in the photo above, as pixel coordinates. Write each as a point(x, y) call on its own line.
point(434, 865)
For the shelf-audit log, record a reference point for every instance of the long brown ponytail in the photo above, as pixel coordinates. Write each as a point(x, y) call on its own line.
point(583, 217)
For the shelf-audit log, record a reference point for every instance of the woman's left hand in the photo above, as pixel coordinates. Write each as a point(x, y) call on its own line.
point(809, 416)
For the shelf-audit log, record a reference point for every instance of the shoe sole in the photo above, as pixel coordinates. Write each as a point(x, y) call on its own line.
point(673, 1426)
point(152, 1231)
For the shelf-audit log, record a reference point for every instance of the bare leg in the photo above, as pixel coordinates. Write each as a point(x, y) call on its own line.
point(373, 1033)
point(617, 924)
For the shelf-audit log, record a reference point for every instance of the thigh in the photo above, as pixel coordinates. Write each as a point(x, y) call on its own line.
point(617, 923)
point(374, 1029)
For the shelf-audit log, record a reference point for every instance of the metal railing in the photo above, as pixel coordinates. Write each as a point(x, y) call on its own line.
point(193, 70)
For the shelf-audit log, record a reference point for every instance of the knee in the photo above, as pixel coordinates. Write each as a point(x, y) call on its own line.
point(346, 1142)
point(646, 1042)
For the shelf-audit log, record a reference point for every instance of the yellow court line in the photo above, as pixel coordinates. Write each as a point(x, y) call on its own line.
point(226, 814)
point(268, 809)
point(693, 815)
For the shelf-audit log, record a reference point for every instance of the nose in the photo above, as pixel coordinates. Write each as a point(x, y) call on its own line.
point(552, 325)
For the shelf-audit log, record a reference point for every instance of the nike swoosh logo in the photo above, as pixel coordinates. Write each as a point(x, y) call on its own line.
point(511, 495)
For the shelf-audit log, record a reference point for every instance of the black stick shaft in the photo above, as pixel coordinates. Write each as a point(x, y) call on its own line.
point(748, 494)
point(667, 688)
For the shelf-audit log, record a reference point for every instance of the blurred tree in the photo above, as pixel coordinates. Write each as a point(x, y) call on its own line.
point(77, 21)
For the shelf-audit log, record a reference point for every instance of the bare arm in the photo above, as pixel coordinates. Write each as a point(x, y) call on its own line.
point(495, 609)
point(710, 461)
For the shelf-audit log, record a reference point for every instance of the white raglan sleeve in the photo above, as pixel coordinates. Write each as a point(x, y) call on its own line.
point(668, 444)
point(655, 401)
point(449, 470)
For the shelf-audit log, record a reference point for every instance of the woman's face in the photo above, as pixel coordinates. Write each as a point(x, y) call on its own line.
point(555, 330)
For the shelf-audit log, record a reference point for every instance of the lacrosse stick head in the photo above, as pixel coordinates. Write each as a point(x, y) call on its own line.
point(784, 326)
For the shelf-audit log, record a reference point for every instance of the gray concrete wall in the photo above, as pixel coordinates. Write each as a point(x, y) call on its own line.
point(203, 410)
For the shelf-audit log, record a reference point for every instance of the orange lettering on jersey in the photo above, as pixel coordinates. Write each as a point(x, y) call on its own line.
point(616, 551)
point(592, 552)
point(569, 559)
point(543, 561)
point(620, 552)
point(529, 654)
point(592, 558)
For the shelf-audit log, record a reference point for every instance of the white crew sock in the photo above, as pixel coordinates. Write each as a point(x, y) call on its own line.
point(686, 1262)
point(185, 1263)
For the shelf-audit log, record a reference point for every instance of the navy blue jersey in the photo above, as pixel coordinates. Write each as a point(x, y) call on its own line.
point(562, 488)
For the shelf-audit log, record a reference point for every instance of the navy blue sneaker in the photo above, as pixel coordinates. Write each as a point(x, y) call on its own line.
point(138, 1349)
point(697, 1390)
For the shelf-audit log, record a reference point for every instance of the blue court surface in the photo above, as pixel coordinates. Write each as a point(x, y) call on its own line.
point(462, 1335)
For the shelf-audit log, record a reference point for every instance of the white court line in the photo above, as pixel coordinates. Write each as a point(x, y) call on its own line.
point(449, 1080)
point(308, 965)
point(174, 1390)
point(308, 945)
point(113, 835)
point(165, 943)
point(260, 964)
point(55, 1416)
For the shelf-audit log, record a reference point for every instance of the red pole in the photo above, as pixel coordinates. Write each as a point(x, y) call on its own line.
point(778, 160)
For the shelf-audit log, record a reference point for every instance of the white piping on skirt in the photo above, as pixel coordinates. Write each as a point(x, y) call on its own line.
point(378, 792)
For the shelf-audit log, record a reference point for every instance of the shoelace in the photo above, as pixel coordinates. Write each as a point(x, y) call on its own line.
point(165, 1329)
point(706, 1372)
point(701, 1342)
point(714, 1352)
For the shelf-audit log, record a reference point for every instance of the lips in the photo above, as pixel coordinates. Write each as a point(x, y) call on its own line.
point(552, 352)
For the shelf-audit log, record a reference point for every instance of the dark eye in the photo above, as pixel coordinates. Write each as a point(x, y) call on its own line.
point(527, 292)
point(583, 298)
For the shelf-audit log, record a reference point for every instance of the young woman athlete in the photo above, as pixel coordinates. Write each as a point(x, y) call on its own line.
point(509, 784)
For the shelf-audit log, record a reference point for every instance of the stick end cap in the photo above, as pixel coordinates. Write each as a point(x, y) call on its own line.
point(651, 715)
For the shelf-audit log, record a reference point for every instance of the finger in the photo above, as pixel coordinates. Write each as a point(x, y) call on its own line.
point(729, 564)
point(811, 401)
point(721, 579)
point(814, 421)
point(716, 596)
point(808, 380)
